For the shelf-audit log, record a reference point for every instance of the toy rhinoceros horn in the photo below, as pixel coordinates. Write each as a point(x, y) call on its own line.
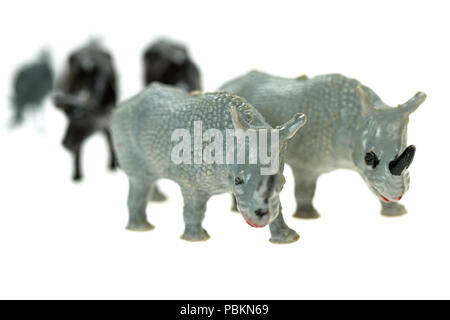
point(402, 162)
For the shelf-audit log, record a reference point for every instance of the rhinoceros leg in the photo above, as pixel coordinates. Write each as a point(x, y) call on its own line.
point(193, 214)
point(113, 163)
point(234, 203)
point(392, 209)
point(156, 195)
point(18, 115)
point(305, 187)
point(77, 173)
point(280, 232)
point(137, 202)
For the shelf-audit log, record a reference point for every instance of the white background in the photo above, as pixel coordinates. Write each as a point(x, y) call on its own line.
point(64, 240)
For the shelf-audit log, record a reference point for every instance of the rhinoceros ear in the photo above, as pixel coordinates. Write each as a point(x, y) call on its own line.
point(412, 104)
point(366, 105)
point(238, 121)
point(290, 128)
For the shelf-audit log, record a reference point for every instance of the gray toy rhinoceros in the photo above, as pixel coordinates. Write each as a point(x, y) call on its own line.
point(142, 130)
point(348, 127)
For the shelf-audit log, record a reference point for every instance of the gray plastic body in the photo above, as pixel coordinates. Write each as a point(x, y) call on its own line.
point(142, 130)
point(348, 127)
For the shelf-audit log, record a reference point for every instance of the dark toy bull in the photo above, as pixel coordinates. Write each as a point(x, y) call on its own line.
point(88, 95)
point(169, 63)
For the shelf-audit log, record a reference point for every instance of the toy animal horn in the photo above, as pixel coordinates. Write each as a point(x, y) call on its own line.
point(412, 104)
point(402, 162)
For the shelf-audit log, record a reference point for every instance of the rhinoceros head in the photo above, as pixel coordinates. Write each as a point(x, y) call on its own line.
point(380, 151)
point(256, 191)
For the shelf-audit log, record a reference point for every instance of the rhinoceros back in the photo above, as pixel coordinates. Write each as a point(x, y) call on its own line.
point(142, 128)
point(143, 125)
point(329, 101)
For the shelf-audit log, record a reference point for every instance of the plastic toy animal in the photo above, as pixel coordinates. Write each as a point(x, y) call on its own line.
point(88, 96)
point(142, 130)
point(349, 127)
point(32, 83)
point(169, 63)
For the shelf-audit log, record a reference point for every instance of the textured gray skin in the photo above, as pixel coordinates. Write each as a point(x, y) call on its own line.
point(346, 120)
point(142, 127)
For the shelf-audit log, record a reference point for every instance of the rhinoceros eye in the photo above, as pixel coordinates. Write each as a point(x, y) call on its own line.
point(371, 159)
point(238, 181)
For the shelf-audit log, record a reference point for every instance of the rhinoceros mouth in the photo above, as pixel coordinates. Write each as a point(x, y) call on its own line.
point(384, 198)
point(250, 222)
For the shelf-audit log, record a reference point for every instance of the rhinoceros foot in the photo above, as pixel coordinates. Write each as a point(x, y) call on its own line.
point(306, 213)
point(393, 209)
point(284, 236)
point(195, 233)
point(141, 226)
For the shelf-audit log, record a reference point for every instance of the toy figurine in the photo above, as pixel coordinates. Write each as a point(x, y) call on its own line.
point(88, 96)
point(145, 128)
point(32, 83)
point(349, 127)
point(169, 63)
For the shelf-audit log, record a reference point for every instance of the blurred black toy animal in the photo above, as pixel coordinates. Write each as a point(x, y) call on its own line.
point(168, 62)
point(32, 83)
point(88, 95)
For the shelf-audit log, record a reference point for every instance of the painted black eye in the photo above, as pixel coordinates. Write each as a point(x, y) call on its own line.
point(238, 181)
point(371, 159)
